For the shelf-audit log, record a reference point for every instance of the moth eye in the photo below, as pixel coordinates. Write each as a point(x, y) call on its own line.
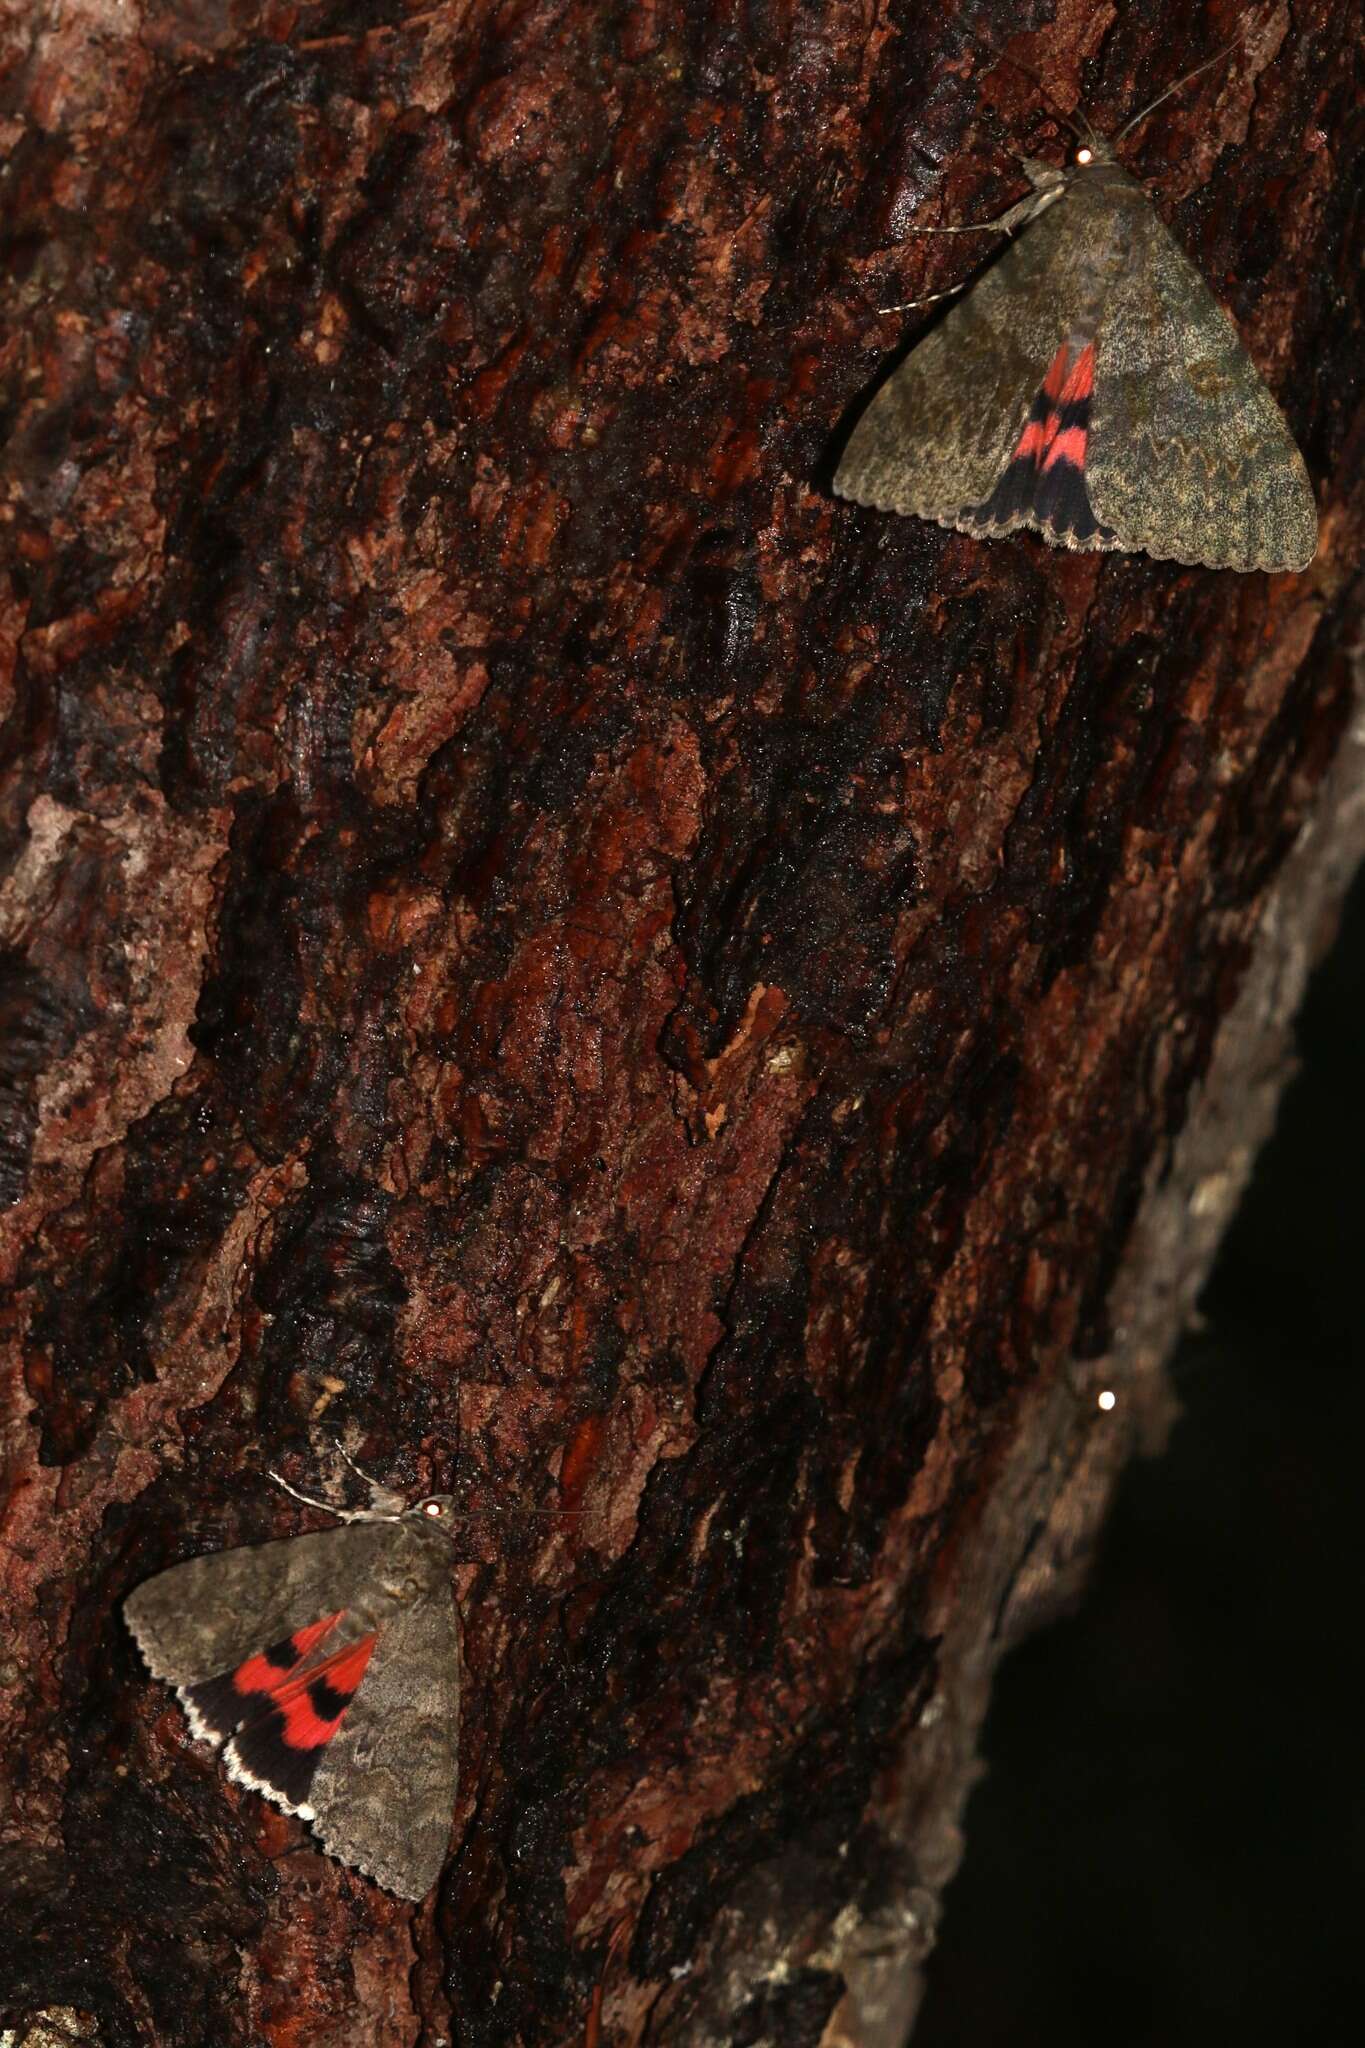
point(434, 1508)
point(1085, 156)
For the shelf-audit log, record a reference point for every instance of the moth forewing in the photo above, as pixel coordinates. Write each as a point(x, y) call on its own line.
point(1191, 458)
point(200, 1618)
point(384, 1792)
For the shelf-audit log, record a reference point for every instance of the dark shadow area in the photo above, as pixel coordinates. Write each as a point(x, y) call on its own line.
point(1169, 1849)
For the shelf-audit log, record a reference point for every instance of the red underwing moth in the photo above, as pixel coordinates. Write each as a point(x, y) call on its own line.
point(1089, 386)
point(326, 1669)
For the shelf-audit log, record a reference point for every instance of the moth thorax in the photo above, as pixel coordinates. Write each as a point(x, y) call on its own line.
point(387, 1505)
point(1107, 254)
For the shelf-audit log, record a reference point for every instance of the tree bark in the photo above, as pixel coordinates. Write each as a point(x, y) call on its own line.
point(540, 945)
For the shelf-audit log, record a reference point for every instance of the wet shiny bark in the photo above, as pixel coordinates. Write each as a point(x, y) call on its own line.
point(543, 946)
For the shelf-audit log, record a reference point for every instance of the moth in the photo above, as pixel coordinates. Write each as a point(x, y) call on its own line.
point(1089, 386)
point(326, 1669)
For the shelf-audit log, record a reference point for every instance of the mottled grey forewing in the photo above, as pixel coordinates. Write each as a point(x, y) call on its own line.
point(205, 1616)
point(1189, 455)
point(934, 440)
point(384, 1793)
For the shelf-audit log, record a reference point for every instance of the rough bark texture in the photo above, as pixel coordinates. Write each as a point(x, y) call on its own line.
point(541, 945)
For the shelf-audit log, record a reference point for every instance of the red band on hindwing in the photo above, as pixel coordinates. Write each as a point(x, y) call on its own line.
point(1033, 442)
point(278, 1749)
point(1068, 446)
point(1043, 483)
point(1068, 427)
point(265, 1672)
point(216, 1706)
point(310, 1707)
point(1054, 384)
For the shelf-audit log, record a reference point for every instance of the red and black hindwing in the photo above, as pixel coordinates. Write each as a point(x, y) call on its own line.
point(1043, 484)
point(278, 1710)
point(217, 1706)
point(277, 1748)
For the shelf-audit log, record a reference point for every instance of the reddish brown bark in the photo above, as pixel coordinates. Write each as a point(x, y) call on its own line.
point(539, 942)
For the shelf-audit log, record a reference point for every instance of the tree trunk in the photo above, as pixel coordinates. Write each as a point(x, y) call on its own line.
point(543, 947)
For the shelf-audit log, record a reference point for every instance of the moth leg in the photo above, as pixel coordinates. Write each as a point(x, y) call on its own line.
point(1018, 215)
point(908, 305)
point(310, 1501)
point(344, 1454)
point(384, 1506)
point(1014, 217)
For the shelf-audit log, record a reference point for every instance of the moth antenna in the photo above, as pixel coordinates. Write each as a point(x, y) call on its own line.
point(496, 1507)
point(1180, 83)
point(1046, 90)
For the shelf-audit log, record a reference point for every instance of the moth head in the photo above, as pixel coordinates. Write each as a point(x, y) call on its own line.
point(1093, 152)
point(437, 1508)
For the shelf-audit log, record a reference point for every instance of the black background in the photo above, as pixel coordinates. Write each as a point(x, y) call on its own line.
point(1169, 1846)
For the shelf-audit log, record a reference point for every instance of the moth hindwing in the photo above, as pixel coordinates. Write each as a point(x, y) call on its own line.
point(1090, 386)
point(326, 1668)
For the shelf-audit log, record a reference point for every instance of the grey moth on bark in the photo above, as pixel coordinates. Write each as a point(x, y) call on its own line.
point(1089, 386)
point(326, 1670)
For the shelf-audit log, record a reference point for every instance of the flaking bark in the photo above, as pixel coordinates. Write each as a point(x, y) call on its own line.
point(541, 945)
